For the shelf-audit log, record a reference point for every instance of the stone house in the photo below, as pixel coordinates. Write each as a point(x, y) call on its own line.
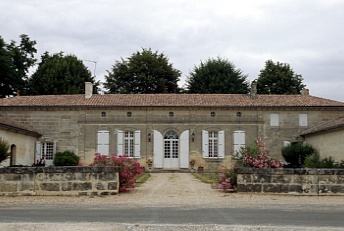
point(170, 129)
point(21, 139)
point(327, 138)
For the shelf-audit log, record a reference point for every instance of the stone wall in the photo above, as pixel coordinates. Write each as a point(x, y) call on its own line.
point(291, 181)
point(24, 181)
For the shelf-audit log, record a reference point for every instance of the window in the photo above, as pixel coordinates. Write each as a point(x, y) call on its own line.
point(274, 120)
point(128, 143)
point(129, 114)
point(213, 143)
point(103, 142)
point(48, 151)
point(238, 114)
point(171, 114)
point(238, 141)
point(103, 114)
point(171, 144)
point(303, 120)
point(212, 114)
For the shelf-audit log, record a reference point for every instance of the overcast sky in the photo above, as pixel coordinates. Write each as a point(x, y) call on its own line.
point(307, 34)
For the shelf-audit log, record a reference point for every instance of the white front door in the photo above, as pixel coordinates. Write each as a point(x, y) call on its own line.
point(171, 150)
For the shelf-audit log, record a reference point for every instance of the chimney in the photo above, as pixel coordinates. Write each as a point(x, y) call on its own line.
point(88, 90)
point(305, 91)
point(253, 92)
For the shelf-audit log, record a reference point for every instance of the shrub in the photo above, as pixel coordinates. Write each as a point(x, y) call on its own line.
point(313, 161)
point(257, 157)
point(4, 149)
point(227, 180)
point(66, 158)
point(129, 168)
point(296, 153)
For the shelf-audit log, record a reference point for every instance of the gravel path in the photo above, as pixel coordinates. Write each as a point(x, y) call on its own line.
point(167, 190)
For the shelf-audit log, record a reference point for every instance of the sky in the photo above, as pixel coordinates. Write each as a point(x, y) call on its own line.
point(307, 34)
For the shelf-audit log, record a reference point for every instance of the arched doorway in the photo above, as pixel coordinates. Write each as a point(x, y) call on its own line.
point(171, 150)
point(13, 155)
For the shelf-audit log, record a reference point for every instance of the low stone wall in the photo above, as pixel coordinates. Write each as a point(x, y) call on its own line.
point(291, 181)
point(59, 181)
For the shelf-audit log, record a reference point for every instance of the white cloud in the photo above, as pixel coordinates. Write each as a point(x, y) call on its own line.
point(306, 34)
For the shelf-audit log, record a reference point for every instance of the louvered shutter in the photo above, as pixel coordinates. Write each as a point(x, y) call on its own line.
point(137, 141)
point(221, 144)
point(205, 145)
point(119, 142)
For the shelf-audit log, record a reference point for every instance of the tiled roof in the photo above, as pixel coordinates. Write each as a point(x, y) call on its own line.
point(169, 100)
point(330, 125)
point(8, 124)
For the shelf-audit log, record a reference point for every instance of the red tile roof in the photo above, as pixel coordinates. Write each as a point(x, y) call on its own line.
point(8, 124)
point(328, 126)
point(169, 100)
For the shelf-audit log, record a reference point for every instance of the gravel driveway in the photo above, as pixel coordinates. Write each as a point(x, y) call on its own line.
point(166, 190)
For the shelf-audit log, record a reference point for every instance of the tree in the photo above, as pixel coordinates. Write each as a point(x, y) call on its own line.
point(58, 74)
point(15, 61)
point(144, 72)
point(279, 78)
point(217, 76)
point(4, 149)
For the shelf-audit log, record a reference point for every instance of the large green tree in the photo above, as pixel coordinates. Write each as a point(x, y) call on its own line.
point(217, 76)
point(279, 78)
point(144, 72)
point(15, 62)
point(58, 74)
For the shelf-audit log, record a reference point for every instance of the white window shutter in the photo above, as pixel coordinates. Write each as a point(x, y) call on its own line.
point(205, 141)
point(303, 120)
point(222, 144)
point(239, 140)
point(38, 151)
point(158, 149)
point(274, 120)
point(103, 142)
point(286, 143)
point(119, 142)
point(55, 147)
point(184, 149)
point(137, 140)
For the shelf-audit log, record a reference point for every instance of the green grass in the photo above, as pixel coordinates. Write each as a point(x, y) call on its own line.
point(141, 179)
point(209, 178)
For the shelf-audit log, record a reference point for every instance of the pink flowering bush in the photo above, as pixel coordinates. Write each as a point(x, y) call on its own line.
point(129, 168)
point(227, 180)
point(257, 157)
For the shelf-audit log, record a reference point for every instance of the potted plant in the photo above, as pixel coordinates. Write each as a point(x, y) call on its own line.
point(200, 169)
point(149, 162)
point(192, 163)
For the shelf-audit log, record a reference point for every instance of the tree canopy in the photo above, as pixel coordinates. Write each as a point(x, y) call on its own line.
point(15, 61)
point(144, 72)
point(58, 74)
point(279, 78)
point(217, 76)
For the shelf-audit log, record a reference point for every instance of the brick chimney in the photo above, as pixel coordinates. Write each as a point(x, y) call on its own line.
point(305, 91)
point(253, 92)
point(88, 90)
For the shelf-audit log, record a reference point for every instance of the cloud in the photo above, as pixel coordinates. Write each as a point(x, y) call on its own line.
point(305, 34)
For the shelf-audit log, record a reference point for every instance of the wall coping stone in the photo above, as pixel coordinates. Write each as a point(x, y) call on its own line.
point(291, 171)
point(59, 169)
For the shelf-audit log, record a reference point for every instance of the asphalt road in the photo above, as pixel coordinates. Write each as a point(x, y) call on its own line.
point(155, 215)
point(173, 202)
